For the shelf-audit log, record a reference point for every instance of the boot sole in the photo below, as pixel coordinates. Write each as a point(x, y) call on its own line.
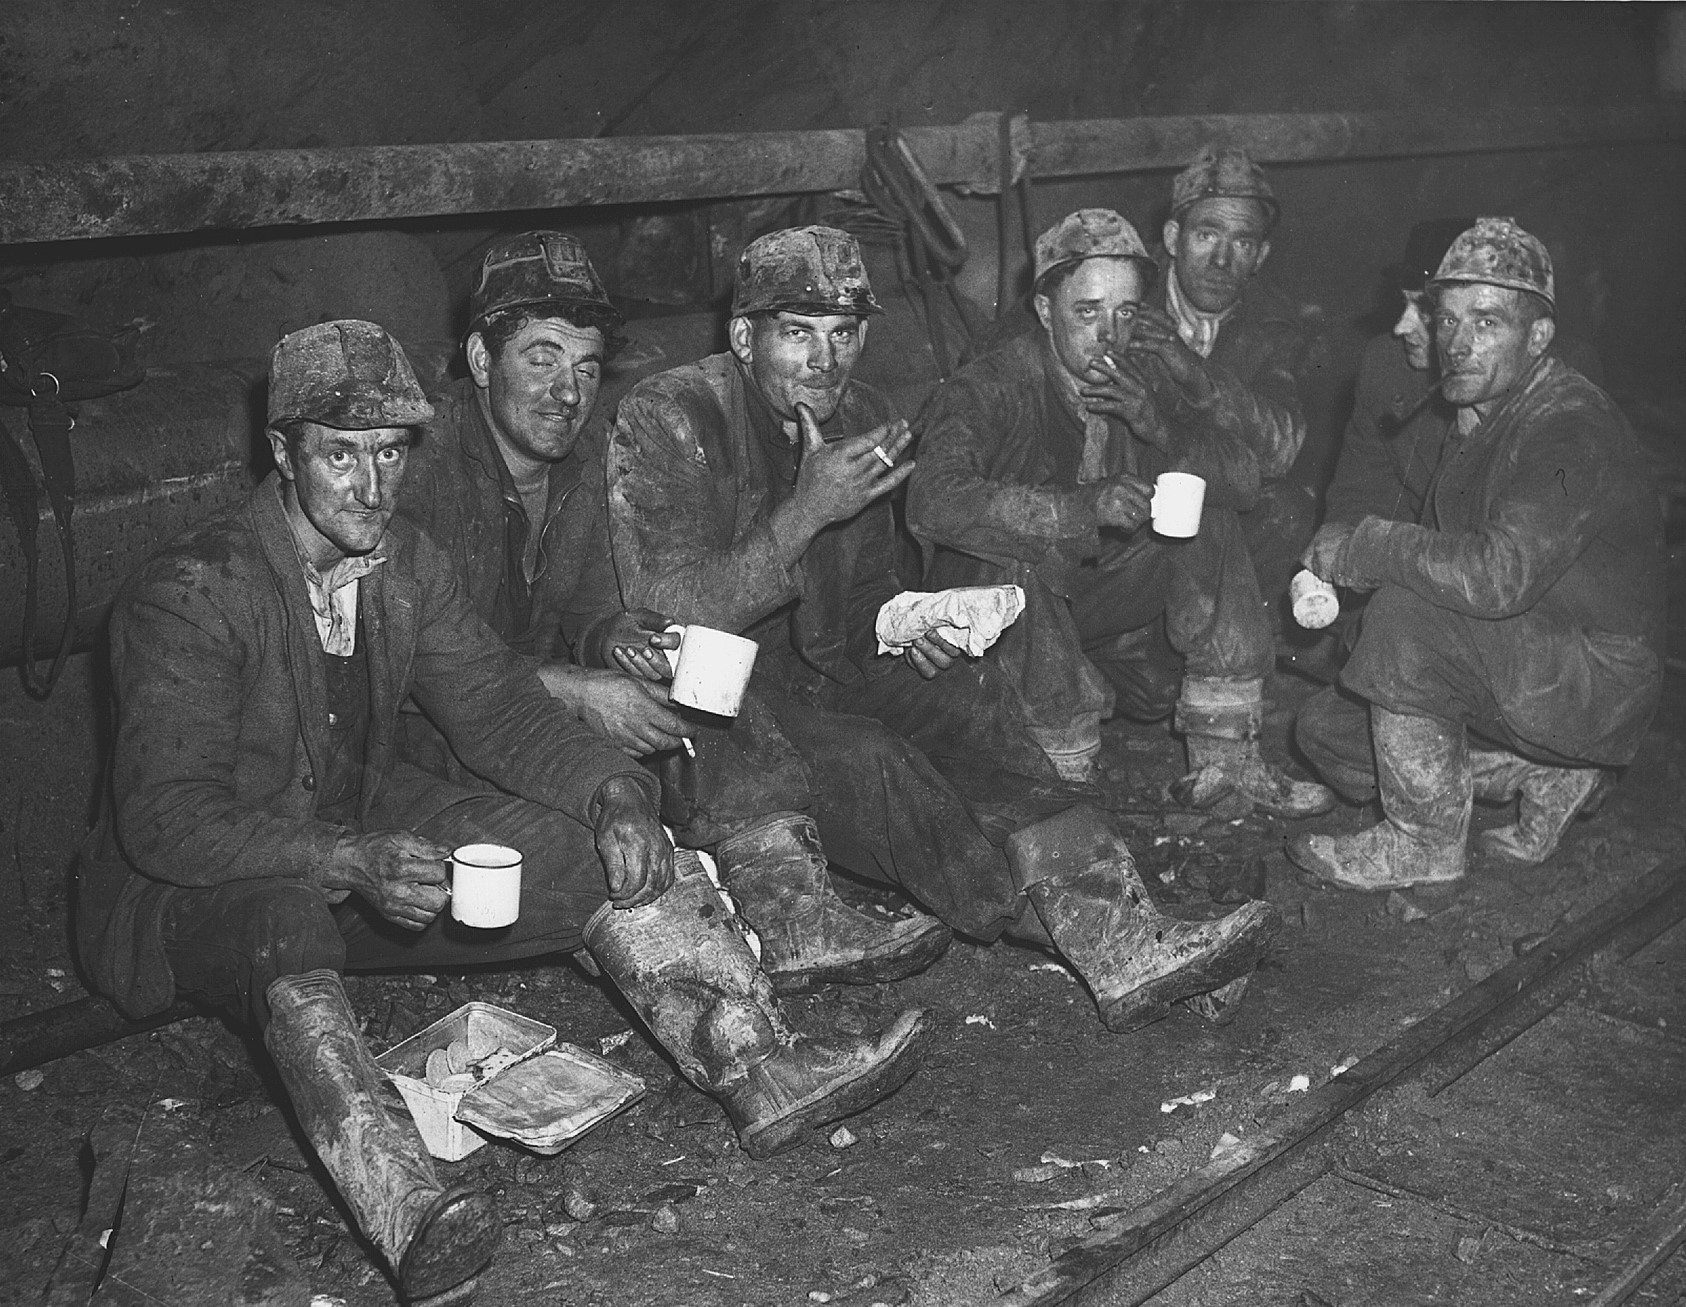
point(912, 1034)
point(1153, 1001)
point(453, 1243)
point(929, 945)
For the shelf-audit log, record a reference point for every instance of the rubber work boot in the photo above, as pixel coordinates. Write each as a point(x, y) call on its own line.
point(776, 870)
point(435, 1239)
point(1137, 961)
point(1423, 777)
point(1220, 718)
point(686, 968)
point(1549, 798)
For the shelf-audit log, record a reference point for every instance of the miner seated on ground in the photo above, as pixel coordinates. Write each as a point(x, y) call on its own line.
point(257, 838)
point(1036, 468)
point(1511, 646)
point(508, 482)
point(749, 492)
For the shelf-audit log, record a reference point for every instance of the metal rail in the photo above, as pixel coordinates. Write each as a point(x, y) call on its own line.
point(138, 195)
point(1145, 1250)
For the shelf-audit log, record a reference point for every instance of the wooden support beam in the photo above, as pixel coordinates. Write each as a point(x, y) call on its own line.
point(137, 195)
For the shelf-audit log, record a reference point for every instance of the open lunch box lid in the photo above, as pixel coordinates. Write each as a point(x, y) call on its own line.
point(551, 1095)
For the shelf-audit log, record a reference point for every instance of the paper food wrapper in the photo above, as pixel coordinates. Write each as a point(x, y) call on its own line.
point(969, 617)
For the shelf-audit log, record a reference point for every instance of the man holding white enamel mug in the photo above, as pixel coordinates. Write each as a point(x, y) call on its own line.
point(259, 838)
point(1038, 465)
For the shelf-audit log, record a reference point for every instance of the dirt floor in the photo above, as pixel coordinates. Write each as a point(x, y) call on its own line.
point(1027, 1124)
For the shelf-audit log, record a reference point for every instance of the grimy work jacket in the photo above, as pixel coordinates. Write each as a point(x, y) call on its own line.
point(1544, 512)
point(696, 465)
point(1397, 430)
point(996, 476)
point(221, 725)
point(458, 489)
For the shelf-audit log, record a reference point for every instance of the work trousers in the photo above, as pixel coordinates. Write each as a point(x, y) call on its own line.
point(911, 782)
point(227, 943)
point(1147, 612)
point(1526, 684)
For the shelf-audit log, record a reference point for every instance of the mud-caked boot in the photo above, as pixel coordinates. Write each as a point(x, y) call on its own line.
point(1423, 778)
point(1548, 799)
point(436, 1240)
point(685, 966)
point(1220, 718)
point(776, 870)
point(1137, 961)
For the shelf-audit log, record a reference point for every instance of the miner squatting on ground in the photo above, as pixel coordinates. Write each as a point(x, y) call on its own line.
point(444, 620)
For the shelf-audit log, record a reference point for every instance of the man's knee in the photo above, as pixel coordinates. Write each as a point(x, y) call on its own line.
point(1411, 656)
point(290, 927)
point(230, 943)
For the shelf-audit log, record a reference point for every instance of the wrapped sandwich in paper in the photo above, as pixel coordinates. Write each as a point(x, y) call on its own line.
point(969, 617)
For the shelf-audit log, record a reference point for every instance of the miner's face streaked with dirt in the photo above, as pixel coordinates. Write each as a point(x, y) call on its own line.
point(799, 358)
point(341, 487)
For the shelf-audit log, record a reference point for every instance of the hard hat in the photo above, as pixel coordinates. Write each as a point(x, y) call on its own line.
point(1223, 172)
point(1497, 252)
point(813, 270)
point(1088, 234)
point(540, 267)
point(345, 374)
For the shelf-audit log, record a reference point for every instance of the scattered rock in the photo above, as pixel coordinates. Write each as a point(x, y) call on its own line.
point(665, 1220)
point(1402, 908)
point(843, 1137)
point(30, 1080)
point(680, 1191)
point(1037, 1174)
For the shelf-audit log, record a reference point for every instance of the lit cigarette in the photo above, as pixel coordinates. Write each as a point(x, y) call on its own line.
point(884, 458)
point(690, 749)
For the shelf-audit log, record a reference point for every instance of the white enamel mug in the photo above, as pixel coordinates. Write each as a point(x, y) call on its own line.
point(711, 669)
point(1177, 500)
point(486, 885)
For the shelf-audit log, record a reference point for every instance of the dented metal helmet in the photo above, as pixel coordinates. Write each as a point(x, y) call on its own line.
point(347, 374)
point(814, 270)
point(1497, 252)
point(1223, 172)
point(540, 267)
point(1088, 234)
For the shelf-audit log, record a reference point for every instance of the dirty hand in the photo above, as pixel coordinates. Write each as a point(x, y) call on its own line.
point(1126, 502)
point(839, 479)
point(632, 712)
point(400, 875)
point(1119, 390)
point(637, 855)
point(930, 654)
point(1323, 554)
point(1156, 334)
point(635, 641)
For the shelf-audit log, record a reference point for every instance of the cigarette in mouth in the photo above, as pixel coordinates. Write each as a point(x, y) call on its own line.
point(690, 749)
